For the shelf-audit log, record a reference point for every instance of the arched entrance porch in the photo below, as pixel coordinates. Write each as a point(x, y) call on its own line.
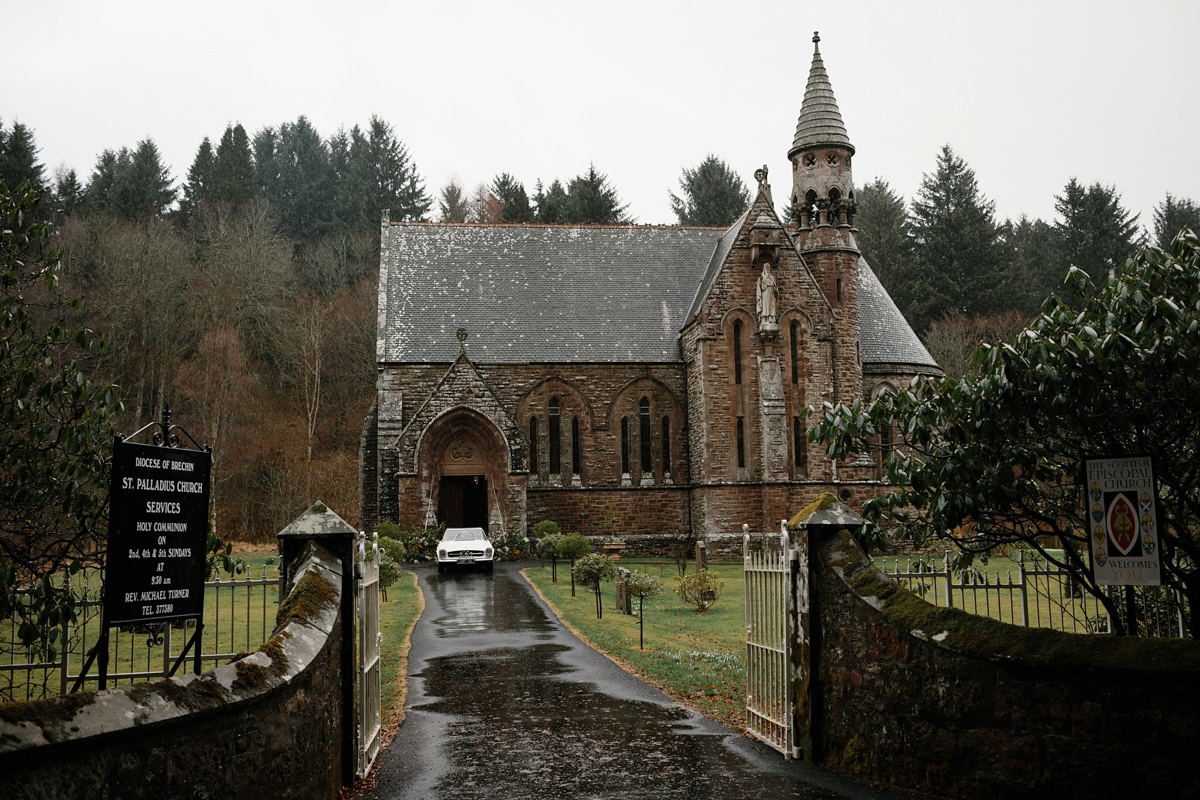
point(465, 473)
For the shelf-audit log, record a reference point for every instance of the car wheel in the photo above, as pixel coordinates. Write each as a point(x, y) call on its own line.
point(488, 568)
point(441, 568)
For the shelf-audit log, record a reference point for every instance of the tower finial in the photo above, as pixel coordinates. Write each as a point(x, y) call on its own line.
point(820, 121)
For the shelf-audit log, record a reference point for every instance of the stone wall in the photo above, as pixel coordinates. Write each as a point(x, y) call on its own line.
point(946, 702)
point(269, 725)
point(630, 512)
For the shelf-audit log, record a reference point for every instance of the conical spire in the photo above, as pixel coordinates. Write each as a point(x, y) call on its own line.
point(820, 121)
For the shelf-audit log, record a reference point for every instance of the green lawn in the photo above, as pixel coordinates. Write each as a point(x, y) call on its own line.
point(236, 619)
point(1049, 602)
point(397, 616)
point(697, 658)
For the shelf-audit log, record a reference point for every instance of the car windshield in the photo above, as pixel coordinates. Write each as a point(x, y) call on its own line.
point(466, 536)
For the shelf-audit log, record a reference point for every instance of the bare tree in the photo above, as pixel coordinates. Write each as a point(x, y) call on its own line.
point(486, 208)
point(217, 380)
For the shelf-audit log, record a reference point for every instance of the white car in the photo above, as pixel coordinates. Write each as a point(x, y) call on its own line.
point(465, 547)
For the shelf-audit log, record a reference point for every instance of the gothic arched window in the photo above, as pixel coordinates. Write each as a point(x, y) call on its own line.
point(795, 352)
point(555, 432)
point(624, 445)
point(741, 443)
point(644, 430)
point(666, 444)
point(533, 445)
point(737, 351)
point(575, 454)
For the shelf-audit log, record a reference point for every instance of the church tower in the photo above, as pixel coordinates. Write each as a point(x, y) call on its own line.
point(823, 209)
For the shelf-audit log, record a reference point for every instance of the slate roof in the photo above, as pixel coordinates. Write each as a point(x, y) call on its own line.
point(536, 294)
point(545, 294)
point(820, 120)
point(886, 336)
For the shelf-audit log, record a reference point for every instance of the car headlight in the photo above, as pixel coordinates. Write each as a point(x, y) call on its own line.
point(441, 553)
point(487, 552)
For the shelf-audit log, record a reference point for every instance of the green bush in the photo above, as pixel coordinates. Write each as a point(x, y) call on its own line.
point(388, 530)
point(700, 590)
point(545, 528)
point(547, 546)
point(421, 545)
point(389, 572)
point(573, 545)
point(393, 549)
point(512, 546)
point(590, 570)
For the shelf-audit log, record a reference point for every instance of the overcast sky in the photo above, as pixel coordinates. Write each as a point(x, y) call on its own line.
point(1029, 93)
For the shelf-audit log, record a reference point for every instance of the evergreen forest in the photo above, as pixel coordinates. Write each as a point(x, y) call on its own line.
point(242, 294)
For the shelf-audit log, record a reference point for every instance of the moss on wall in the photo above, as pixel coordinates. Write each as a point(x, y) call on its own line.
point(959, 630)
point(824, 502)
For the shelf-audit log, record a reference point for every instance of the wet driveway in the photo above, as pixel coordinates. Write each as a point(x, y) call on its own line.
point(505, 702)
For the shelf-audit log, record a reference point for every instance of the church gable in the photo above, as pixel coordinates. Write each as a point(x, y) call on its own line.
point(731, 285)
point(461, 389)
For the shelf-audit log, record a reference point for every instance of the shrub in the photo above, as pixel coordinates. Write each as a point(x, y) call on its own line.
point(388, 530)
point(547, 546)
point(642, 585)
point(512, 546)
point(393, 549)
point(700, 590)
point(590, 570)
point(573, 545)
point(421, 545)
point(389, 572)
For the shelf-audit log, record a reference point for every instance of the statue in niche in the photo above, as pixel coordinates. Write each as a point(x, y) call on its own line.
point(768, 299)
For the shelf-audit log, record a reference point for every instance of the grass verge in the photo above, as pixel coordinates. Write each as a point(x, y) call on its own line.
point(397, 617)
point(698, 659)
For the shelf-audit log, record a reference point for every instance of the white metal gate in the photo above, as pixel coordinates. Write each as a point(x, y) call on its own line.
point(369, 639)
point(770, 702)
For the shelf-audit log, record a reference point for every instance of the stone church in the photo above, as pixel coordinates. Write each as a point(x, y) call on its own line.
point(632, 381)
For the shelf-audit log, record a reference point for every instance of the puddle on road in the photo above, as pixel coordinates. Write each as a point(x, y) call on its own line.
point(477, 603)
point(521, 728)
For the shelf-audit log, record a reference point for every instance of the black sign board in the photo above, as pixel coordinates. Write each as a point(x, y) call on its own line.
point(157, 532)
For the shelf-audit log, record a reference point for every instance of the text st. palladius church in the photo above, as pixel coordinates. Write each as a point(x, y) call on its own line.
point(633, 381)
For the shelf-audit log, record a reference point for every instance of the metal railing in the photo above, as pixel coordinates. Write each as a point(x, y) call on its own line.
point(1031, 593)
point(239, 615)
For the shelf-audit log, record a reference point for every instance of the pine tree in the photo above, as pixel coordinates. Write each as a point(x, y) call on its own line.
point(713, 194)
point(19, 158)
point(1095, 233)
point(233, 178)
point(884, 237)
point(199, 179)
point(298, 178)
point(959, 265)
point(514, 203)
point(551, 204)
point(1173, 215)
point(1033, 251)
point(68, 193)
point(453, 205)
point(266, 162)
point(134, 184)
point(592, 201)
point(380, 175)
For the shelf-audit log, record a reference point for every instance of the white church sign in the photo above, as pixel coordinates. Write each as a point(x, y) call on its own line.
point(1122, 521)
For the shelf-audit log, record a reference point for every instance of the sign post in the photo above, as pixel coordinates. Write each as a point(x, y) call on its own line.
point(157, 537)
point(1123, 521)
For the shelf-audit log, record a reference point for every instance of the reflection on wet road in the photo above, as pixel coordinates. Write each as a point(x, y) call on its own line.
point(504, 702)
